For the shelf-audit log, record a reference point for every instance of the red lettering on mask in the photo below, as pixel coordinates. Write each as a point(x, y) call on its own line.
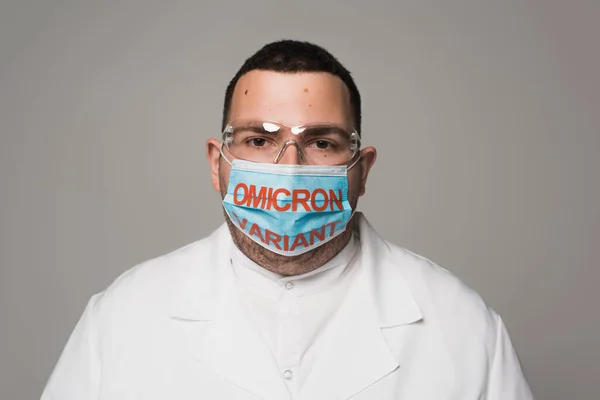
point(336, 200)
point(267, 198)
point(300, 240)
point(332, 227)
point(275, 204)
point(241, 224)
point(296, 199)
point(315, 234)
point(286, 242)
point(272, 237)
point(235, 194)
point(313, 199)
point(255, 230)
point(253, 199)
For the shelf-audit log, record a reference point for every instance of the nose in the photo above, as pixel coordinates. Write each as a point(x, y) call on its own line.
point(291, 153)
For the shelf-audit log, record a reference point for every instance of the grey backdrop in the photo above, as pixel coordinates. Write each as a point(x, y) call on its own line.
point(485, 114)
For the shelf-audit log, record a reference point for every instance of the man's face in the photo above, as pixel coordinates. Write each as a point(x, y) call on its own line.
point(291, 99)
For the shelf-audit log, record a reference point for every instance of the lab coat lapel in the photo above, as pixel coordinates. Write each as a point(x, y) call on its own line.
point(353, 352)
point(234, 349)
point(230, 346)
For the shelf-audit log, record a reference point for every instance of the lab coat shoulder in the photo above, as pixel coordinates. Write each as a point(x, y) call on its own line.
point(121, 322)
point(149, 287)
point(166, 286)
point(474, 334)
point(458, 310)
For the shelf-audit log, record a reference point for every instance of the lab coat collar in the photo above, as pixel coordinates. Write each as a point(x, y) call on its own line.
point(383, 267)
point(357, 354)
point(354, 355)
point(196, 297)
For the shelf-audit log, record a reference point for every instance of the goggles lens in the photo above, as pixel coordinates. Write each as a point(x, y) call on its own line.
point(265, 142)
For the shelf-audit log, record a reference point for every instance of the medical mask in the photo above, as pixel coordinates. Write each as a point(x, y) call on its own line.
point(288, 209)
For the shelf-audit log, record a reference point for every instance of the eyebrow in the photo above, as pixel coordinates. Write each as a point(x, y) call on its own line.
point(325, 129)
point(256, 129)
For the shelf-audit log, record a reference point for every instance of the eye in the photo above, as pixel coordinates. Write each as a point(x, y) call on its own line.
point(322, 144)
point(257, 142)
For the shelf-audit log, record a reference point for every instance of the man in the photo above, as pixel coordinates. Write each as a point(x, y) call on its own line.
point(295, 297)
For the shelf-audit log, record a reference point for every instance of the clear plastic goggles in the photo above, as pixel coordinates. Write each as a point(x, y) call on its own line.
point(266, 142)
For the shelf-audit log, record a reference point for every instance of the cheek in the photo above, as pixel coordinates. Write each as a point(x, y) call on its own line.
point(224, 170)
point(354, 183)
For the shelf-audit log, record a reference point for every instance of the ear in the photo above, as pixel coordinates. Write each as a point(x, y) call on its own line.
point(213, 154)
point(368, 155)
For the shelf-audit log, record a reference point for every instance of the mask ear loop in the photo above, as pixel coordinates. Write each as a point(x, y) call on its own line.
point(348, 169)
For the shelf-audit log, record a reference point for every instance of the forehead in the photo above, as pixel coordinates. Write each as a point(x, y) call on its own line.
point(291, 98)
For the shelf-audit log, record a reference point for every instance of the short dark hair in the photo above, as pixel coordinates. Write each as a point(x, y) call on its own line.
point(291, 56)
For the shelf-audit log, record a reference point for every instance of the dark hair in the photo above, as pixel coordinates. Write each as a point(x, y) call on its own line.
point(290, 56)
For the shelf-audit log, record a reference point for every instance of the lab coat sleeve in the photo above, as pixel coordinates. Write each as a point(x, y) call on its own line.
point(76, 376)
point(506, 379)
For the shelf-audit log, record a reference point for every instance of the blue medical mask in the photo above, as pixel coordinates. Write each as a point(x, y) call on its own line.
point(288, 209)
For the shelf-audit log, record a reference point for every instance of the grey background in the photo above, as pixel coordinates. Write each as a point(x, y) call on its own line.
point(485, 114)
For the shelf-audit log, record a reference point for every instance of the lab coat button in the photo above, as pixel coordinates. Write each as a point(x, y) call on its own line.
point(289, 285)
point(288, 374)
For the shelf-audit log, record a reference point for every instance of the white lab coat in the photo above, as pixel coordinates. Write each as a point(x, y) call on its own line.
point(173, 328)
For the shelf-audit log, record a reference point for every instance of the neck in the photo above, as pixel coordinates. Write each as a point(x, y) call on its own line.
point(290, 266)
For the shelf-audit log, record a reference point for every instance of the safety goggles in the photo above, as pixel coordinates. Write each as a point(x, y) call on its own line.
point(266, 142)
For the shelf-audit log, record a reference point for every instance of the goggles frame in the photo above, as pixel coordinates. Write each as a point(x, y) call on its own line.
point(273, 127)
